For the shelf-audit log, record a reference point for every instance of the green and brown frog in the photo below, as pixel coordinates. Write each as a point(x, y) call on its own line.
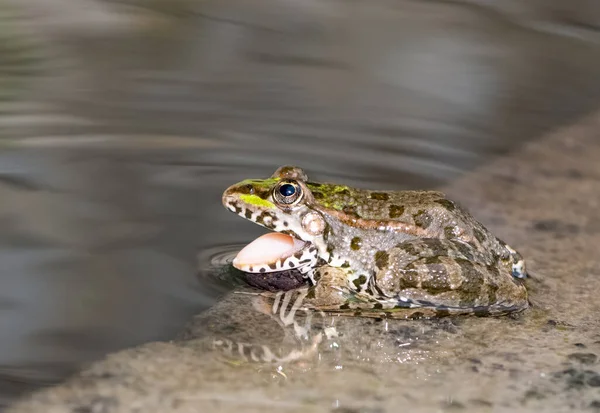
point(377, 253)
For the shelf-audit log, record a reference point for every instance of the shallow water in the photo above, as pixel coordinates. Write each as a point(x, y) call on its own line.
point(121, 125)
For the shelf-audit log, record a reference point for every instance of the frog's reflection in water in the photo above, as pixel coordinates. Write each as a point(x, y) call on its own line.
point(278, 328)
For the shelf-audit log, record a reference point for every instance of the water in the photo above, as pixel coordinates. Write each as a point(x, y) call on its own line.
point(121, 125)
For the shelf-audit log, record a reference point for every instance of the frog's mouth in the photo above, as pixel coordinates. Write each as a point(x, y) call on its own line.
point(274, 252)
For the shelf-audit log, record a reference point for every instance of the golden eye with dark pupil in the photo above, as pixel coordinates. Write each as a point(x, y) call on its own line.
point(287, 192)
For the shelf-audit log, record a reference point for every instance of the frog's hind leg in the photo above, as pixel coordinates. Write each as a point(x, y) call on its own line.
point(332, 295)
point(447, 277)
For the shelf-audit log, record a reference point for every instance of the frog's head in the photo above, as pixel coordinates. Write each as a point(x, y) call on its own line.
point(284, 204)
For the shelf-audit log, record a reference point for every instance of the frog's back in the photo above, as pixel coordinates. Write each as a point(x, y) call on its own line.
point(422, 207)
point(422, 214)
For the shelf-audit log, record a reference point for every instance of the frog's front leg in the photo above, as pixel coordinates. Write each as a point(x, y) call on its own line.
point(334, 292)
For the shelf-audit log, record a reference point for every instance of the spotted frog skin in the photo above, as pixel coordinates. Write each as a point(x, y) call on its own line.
point(383, 252)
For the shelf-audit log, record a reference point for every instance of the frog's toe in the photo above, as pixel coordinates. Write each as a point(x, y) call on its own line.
point(518, 269)
point(518, 266)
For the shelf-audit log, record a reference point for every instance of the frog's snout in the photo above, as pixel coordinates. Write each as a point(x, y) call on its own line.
point(229, 196)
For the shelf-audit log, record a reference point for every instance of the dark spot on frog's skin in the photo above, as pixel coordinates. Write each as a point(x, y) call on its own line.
point(285, 223)
point(408, 281)
point(305, 261)
point(326, 233)
point(350, 210)
point(492, 289)
point(422, 219)
point(464, 250)
point(432, 260)
point(346, 264)
point(345, 306)
point(378, 306)
point(381, 259)
point(291, 264)
point(238, 209)
point(298, 254)
point(396, 211)
point(250, 269)
point(273, 266)
point(246, 189)
point(262, 193)
point(449, 205)
point(320, 262)
point(409, 248)
point(330, 250)
point(248, 214)
point(261, 218)
point(263, 270)
point(473, 281)
point(449, 232)
point(318, 195)
point(479, 235)
point(436, 247)
point(379, 196)
point(356, 243)
point(359, 282)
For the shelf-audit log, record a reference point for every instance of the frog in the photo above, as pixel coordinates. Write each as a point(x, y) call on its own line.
point(383, 253)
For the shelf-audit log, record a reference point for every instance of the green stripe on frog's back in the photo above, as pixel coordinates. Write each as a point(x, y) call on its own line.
point(332, 196)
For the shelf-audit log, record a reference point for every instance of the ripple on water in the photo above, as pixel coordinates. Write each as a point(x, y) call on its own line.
point(215, 267)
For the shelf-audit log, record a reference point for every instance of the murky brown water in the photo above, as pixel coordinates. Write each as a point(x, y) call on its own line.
point(120, 125)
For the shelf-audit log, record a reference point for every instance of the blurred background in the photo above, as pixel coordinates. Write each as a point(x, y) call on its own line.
point(122, 121)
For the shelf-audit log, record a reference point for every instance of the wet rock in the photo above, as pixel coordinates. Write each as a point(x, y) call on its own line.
point(594, 380)
point(534, 394)
point(583, 358)
point(578, 379)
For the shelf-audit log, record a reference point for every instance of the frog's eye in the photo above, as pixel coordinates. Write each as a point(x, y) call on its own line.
point(287, 192)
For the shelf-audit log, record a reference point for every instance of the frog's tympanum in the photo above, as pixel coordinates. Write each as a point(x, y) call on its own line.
point(377, 252)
